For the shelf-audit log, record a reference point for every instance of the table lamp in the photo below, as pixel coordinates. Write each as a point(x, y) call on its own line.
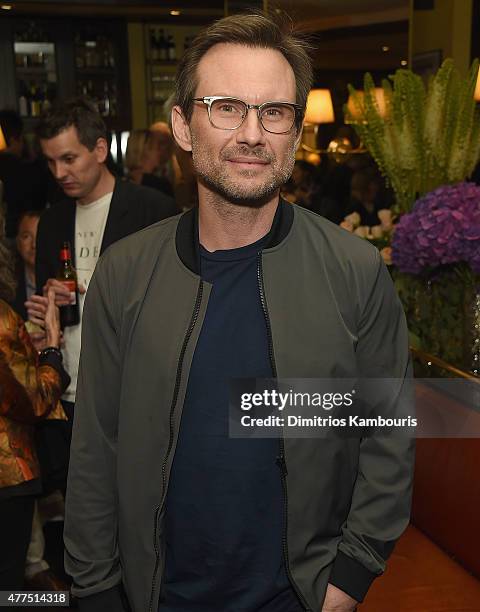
point(319, 110)
point(319, 107)
point(356, 113)
point(3, 144)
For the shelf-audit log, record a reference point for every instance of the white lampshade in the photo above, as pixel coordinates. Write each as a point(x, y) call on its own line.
point(3, 144)
point(319, 107)
point(379, 97)
point(476, 95)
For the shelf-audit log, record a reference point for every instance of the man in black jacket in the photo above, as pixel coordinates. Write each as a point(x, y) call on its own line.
point(99, 209)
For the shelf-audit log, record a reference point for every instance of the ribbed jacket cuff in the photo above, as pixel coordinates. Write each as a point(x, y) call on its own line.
point(351, 576)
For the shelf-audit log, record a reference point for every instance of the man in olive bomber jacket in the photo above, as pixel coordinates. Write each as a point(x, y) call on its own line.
point(164, 511)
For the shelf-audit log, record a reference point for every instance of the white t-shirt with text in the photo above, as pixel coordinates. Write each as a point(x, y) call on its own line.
point(90, 221)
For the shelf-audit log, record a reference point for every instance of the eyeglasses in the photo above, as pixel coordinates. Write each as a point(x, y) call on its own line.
point(229, 113)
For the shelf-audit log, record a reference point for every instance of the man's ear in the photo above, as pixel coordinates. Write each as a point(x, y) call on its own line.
point(101, 150)
point(181, 129)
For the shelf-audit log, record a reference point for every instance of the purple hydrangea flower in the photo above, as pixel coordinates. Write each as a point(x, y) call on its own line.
point(442, 228)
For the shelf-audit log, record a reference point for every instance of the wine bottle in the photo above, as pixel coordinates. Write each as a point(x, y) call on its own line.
point(23, 100)
point(46, 104)
point(172, 52)
point(69, 314)
point(35, 105)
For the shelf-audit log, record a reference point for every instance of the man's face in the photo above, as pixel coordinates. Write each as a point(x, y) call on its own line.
point(248, 165)
point(76, 169)
point(26, 238)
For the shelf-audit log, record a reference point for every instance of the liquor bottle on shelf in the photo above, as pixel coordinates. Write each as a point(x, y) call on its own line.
point(171, 50)
point(79, 51)
point(23, 100)
point(111, 55)
point(105, 105)
point(40, 99)
point(46, 104)
point(92, 94)
point(35, 102)
point(162, 47)
point(69, 314)
point(88, 57)
point(38, 59)
point(97, 60)
point(82, 88)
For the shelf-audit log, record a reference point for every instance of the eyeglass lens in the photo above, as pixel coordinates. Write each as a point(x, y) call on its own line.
point(229, 114)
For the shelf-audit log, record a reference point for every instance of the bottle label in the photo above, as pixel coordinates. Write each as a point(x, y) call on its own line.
point(71, 286)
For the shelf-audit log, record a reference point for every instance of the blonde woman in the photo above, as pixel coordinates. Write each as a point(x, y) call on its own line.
point(141, 159)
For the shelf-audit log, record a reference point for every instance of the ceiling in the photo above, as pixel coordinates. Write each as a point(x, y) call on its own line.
point(338, 7)
point(312, 14)
point(317, 15)
point(349, 34)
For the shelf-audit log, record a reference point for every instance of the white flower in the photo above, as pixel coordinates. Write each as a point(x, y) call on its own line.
point(353, 218)
point(385, 216)
point(377, 231)
point(362, 231)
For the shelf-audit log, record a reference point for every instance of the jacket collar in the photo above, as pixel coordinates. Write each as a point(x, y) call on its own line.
point(187, 242)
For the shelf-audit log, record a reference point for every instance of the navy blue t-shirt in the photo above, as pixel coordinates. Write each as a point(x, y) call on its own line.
point(225, 502)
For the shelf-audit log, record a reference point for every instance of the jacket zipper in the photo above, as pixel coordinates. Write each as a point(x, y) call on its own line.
point(281, 458)
point(176, 390)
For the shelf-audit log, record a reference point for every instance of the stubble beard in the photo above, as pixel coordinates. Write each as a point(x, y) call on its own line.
point(213, 174)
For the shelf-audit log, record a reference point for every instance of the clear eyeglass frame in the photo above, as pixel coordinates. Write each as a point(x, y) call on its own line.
point(296, 121)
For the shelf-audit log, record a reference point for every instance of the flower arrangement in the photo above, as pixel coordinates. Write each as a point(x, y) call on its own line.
point(427, 136)
point(379, 235)
point(426, 142)
point(443, 228)
point(436, 254)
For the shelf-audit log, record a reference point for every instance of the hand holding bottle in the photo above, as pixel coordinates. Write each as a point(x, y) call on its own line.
point(45, 317)
point(36, 305)
point(62, 292)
